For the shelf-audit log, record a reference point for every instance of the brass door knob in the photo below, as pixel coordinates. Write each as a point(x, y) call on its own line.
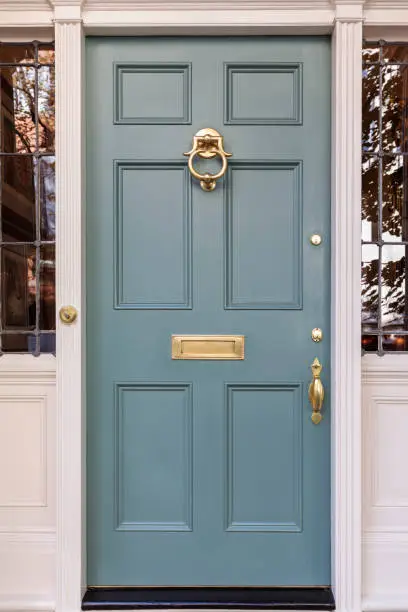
point(68, 314)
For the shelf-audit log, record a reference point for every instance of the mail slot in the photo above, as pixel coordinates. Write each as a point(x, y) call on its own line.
point(207, 347)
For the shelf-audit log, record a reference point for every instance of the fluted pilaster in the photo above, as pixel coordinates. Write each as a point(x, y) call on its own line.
point(346, 362)
point(70, 282)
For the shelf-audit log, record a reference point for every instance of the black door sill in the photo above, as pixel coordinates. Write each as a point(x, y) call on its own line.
point(215, 598)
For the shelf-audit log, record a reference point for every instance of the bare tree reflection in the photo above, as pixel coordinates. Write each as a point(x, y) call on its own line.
point(27, 175)
point(384, 174)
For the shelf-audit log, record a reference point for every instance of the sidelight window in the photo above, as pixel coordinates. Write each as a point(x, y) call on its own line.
point(385, 198)
point(27, 198)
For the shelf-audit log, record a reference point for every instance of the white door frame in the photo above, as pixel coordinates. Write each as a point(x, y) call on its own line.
point(345, 20)
point(72, 20)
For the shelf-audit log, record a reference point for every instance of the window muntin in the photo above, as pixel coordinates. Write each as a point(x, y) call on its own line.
point(27, 198)
point(385, 198)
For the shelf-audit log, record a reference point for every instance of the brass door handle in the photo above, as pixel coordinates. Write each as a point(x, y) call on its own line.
point(316, 392)
point(207, 144)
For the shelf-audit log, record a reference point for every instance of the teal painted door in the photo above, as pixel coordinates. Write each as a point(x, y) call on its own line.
point(207, 472)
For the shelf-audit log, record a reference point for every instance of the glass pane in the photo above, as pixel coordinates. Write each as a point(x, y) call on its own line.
point(47, 197)
point(394, 312)
point(371, 52)
point(393, 342)
point(16, 53)
point(46, 54)
point(47, 289)
point(18, 110)
point(369, 203)
point(395, 53)
point(17, 343)
point(369, 343)
point(46, 108)
point(369, 287)
point(395, 108)
point(17, 288)
point(395, 198)
point(17, 191)
point(371, 107)
point(47, 342)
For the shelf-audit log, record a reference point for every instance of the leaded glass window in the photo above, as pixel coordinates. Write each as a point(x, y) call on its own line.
point(385, 198)
point(27, 198)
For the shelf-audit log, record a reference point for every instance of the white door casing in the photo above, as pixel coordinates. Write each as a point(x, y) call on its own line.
point(346, 458)
point(73, 19)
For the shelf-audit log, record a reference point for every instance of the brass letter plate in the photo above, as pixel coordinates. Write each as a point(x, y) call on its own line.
point(207, 347)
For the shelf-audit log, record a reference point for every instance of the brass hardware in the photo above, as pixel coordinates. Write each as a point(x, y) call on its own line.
point(68, 314)
point(316, 392)
point(316, 239)
point(207, 144)
point(317, 334)
point(207, 347)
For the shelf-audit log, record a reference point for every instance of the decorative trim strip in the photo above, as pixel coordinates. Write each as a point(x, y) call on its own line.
point(27, 369)
point(389, 368)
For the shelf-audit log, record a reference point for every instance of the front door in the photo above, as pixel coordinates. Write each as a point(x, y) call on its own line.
point(204, 464)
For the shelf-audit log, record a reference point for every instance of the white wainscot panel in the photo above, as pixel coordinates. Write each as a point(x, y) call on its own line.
point(385, 455)
point(27, 482)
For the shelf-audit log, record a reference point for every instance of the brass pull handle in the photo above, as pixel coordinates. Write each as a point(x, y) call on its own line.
point(316, 392)
point(207, 144)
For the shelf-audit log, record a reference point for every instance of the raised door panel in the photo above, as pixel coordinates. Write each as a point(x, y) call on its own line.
point(139, 99)
point(264, 486)
point(153, 235)
point(153, 457)
point(263, 218)
point(263, 94)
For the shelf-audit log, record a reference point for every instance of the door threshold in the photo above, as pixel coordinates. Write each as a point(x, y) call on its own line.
point(209, 598)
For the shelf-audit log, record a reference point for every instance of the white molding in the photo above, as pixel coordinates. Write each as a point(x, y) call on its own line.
point(387, 556)
point(388, 369)
point(27, 370)
point(69, 57)
point(131, 16)
point(385, 604)
point(28, 579)
point(207, 21)
point(30, 603)
point(346, 352)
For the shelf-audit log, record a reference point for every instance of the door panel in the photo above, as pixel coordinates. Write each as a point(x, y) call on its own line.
point(207, 472)
point(276, 222)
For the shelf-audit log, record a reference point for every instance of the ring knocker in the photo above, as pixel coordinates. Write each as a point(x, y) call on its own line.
point(207, 144)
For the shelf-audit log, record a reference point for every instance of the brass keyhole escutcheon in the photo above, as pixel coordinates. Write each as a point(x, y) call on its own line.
point(317, 334)
point(68, 314)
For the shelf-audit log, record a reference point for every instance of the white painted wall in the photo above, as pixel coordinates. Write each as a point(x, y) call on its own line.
point(28, 432)
point(28, 486)
point(27, 482)
point(385, 482)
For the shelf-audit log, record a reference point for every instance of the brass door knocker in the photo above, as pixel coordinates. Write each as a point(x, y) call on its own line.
point(207, 144)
